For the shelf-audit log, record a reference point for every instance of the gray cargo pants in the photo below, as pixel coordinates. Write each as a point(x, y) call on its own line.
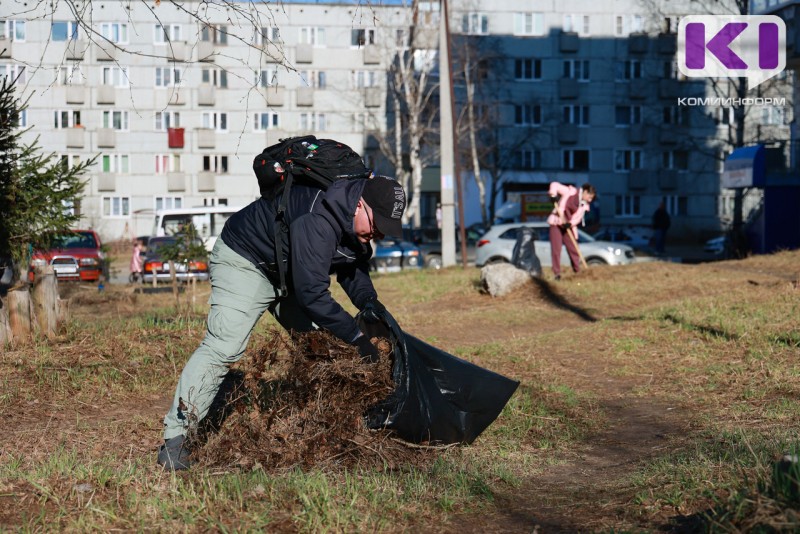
point(240, 294)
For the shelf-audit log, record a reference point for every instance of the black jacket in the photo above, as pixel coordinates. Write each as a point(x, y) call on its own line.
point(322, 243)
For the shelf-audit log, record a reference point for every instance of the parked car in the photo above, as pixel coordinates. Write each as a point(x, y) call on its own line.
point(631, 238)
point(432, 247)
point(717, 245)
point(497, 245)
point(75, 255)
point(185, 271)
point(393, 255)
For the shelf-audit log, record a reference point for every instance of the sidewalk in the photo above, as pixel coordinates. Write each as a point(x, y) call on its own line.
point(680, 254)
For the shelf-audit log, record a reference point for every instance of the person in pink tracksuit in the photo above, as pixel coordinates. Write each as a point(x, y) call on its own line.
point(572, 204)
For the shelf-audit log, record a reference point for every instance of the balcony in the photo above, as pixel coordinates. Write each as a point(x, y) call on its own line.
point(273, 136)
point(668, 179)
point(305, 96)
point(176, 96)
point(426, 38)
point(637, 134)
point(106, 94)
point(106, 138)
point(105, 51)
point(274, 95)
point(106, 181)
point(206, 182)
point(638, 88)
point(76, 137)
point(206, 138)
point(275, 51)
point(176, 181)
point(304, 53)
point(667, 43)
point(372, 55)
point(669, 88)
point(668, 135)
point(568, 134)
point(373, 97)
point(178, 51)
point(637, 43)
point(5, 48)
point(76, 94)
point(205, 51)
point(638, 179)
point(175, 137)
point(76, 49)
point(568, 42)
point(206, 95)
point(568, 88)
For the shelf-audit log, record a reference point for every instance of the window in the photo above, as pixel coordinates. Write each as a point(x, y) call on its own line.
point(313, 78)
point(773, 115)
point(267, 34)
point(628, 206)
point(117, 120)
point(675, 115)
point(677, 160)
point(71, 75)
point(401, 38)
point(167, 119)
point(66, 118)
point(627, 160)
point(577, 69)
point(527, 69)
point(313, 36)
point(216, 164)
point(628, 70)
point(214, 34)
point(724, 116)
point(64, 31)
point(217, 201)
point(168, 203)
point(576, 160)
point(265, 120)
point(168, 163)
point(22, 119)
point(428, 12)
point(312, 121)
point(165, 33)
point(671, 24)
point(13, 72)
point(527, 115)
point(116, 32)
point(13, 30)
point(117, 163)
point(676, 205)
point(216, 77)
point(527, 159)
point(364, 78)
point(116, 76)
point(266, 77)
point(627, 115)
point(167, 76)
point(116, 206)
point(215, 120)
point(576, 115)
point(528, 24)
point(68, 161)
point(671, 70)
point(475, 23)
point(627, 24)
point(362, 37)
point(577, 23)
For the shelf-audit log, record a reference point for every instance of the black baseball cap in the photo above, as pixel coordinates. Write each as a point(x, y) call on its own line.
point(387, 199)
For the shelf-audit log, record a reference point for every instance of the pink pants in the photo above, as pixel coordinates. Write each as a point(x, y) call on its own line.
point(559, 237)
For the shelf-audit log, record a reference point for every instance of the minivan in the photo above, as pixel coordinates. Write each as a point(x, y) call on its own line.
point(208, 221)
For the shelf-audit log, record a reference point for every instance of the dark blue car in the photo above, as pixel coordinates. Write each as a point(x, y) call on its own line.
point(394, 255)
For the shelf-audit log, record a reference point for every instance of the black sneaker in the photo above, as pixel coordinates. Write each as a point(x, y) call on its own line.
point(174, 455)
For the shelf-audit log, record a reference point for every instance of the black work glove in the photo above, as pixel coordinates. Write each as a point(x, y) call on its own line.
point(373, 311)
point(368, 351)
point(567, 225)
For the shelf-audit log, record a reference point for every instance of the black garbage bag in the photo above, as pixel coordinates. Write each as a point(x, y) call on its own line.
point(524, 254)
point(438, 398)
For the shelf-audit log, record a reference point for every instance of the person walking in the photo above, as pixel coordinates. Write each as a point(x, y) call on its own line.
point(661, 223)
point(329, 233)
point(570, 204)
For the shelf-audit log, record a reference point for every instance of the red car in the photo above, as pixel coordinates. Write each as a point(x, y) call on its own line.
point(74, 256)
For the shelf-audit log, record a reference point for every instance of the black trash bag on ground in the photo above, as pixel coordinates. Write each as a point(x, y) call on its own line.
point(524, 255)
point(438, 398)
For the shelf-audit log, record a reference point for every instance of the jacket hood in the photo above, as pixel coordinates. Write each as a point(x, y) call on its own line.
point(341, 200)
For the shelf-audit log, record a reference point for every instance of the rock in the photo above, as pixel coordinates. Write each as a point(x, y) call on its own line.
point(502, 278)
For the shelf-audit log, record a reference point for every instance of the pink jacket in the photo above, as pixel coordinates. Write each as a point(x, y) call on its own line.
point(570, 205)
point(137, 263)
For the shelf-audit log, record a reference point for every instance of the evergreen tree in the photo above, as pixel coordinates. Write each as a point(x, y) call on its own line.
point(37, 191)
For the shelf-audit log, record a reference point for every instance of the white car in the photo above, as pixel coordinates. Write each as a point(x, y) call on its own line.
point(497, 245)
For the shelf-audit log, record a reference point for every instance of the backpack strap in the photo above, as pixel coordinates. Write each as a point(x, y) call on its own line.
point(281, 230)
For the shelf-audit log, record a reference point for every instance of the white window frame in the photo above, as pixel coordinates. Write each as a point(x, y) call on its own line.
point(577, 114)
point(569, 154)
point(525, 66)
point(167, 119)
point(167, 33)
point(215, 120)
point(14, 71)
point(773, 116)
point(66, 118)
point(266, 77)
point(13, 30)
point(73, 29)
point(313, 35)
point(317, 79)
point(628, 206)
point(627, 70)
point(628, 159)
point(672, 203)
point(633, 115)
point(577, 23)
point(529, 159)
point(167, 202)
point(364, 78)
point(674, 115)
point(168, 76)
point(529, 23)
point(71, 75)
point(271, 118)
point(214, 33)
point(117, 163)
point(72, 160)
point(577, 69)
point(216, 163)
point(168, 163)
point(216, 77)
point(115, 32)
point(527, 115)
point(311, 121)
point(22, 121)
point(725, 116)
point(668, 160)
point(116, 207)
point(365, 37)
point(625, 25)
point(429, 11)
point(266, 35)
point(475, 23)
point(118, 76)
point(109, 116)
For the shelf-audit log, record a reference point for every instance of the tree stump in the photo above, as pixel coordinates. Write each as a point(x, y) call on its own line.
point(19, 314)
point(45, 301)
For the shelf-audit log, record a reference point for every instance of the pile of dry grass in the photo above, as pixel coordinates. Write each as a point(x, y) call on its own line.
point(302, 402)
